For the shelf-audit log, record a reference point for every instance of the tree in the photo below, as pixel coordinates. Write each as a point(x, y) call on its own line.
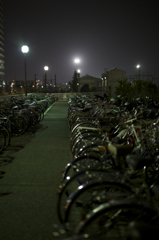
point(139, 88)
point(73, 83)
point(85, 88)
point(124, 89)
point(93, 89)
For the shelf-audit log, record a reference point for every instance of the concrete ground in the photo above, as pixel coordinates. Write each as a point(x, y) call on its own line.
point(32, 171)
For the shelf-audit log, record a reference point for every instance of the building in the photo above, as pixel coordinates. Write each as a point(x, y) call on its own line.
point(94, 83)
point(110, 80)
point(2, 62)
point(18, 86)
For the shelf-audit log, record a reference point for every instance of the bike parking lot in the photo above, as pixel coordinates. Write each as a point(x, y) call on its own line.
point(110, 190)
point(81, 171)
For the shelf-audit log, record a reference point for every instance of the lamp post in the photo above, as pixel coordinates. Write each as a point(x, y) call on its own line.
point(25, 50)
point(138, 67)
point(46, 68)
point(78, 79)
point(77, 61)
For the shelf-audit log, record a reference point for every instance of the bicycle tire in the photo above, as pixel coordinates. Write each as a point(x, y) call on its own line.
point(76, 163)
point(2, 140)
point(89, 196)
point(111, 219)
point(85, 138)
point(72, 183)
point(17, 126)
point(7, 134)
point(80, 133)
point(83, 124)
point(91, 148)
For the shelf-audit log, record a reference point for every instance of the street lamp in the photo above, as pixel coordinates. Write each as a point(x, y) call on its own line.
point(25, 50)
point(138, 67)
point(77, 60)
point(46, 68)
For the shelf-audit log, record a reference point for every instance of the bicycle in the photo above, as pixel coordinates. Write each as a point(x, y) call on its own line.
point(141, 206)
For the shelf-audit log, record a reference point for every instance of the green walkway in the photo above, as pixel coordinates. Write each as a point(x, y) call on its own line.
point(28, 210)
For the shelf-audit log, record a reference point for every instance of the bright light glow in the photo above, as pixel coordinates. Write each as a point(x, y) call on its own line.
point(78, 70)
point(138, 66)
point(77, 60)
point(25, 49)
point(46, 68)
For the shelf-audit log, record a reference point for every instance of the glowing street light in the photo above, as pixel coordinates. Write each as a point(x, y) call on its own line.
point(78, 70)
point(25, 50)
point(77, 60)
point(46, 68)
point(138, 67)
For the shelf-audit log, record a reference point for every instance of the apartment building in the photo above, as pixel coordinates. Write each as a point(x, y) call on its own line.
point(110, 80)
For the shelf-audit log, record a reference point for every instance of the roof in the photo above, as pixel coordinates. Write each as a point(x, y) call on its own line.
point(87, 76)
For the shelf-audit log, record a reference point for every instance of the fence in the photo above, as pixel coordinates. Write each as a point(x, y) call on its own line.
point(66, 96)
point(61, 96)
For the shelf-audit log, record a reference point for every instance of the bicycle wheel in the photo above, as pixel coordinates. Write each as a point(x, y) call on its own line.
point(112, 219)
point(80, 133)
point(7, 135)
point(91, 148)
point(2, 140)
point(17, 126)
point(83, 140)
point(82, 124)
point(80, 163)
point(91, 195)
point(41, 114)
point(69, 186)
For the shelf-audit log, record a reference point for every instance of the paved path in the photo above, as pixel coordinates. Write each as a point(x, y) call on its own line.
point(30, 182)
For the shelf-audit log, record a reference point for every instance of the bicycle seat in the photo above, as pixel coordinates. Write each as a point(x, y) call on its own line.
point(138, 162)
point(119, 150)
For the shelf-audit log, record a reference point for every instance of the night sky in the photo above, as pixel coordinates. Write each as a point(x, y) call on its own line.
point(102, 33)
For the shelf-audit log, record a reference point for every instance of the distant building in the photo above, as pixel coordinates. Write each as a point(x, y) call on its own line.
point(18, 86)
point(2, 62)
point(94, 83)
point(110, 80)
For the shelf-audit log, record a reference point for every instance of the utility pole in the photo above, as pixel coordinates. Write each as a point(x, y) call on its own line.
point(55, 80)
point(35, 81)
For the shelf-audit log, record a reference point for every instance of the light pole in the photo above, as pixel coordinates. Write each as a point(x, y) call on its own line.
point(78, 79)
point(77, 61)
point(46, 68)
point(138, 67)
point(25, 50)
